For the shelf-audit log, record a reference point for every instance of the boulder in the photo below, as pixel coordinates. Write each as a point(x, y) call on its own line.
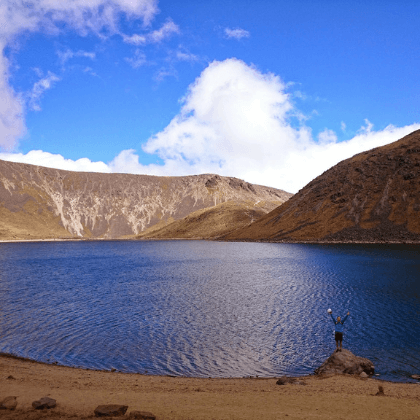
point(9, 403)
point(143, 415)
point(285, 380)
point(111, 410)
point(416, 377)
point(44, 402)
point(345, 362)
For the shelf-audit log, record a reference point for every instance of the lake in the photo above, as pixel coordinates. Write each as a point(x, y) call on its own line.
point(209, 309)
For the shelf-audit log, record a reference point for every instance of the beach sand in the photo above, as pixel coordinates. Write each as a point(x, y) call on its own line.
point(78, 392)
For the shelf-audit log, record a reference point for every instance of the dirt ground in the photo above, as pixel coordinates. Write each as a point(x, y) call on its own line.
point(78, 392)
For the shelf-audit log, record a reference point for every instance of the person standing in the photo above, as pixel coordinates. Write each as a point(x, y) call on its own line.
point(339, 328)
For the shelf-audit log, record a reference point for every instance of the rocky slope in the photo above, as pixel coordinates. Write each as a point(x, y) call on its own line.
point(372, 197)
point(208, 223)
point(38, 202)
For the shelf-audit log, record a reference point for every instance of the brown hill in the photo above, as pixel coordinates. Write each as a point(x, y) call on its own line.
point(372, 197)
point(42, 203)
point(208, 223)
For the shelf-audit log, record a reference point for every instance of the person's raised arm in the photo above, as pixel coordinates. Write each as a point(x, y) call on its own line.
point(348, 313)
point(333, 318)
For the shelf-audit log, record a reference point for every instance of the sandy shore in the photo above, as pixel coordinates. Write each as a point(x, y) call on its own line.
point(78, 392)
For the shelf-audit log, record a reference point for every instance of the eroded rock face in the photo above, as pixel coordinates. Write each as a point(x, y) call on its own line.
point(345, 362)
point(372, 197)
point(41, 202)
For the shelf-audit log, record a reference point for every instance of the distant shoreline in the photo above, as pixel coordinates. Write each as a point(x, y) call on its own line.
point(213, 240)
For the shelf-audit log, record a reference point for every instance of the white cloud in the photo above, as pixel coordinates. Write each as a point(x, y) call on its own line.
point(237, 33)
point(134, 39)
point(84, 16)
point(64, 56)
point(49, 160)
point(327, 136)
point(185, 56)
point(39, 88)
point(237, 121)
point(167, 29)
point(89, 70)
point(138, 60)
point(12, 123)
point(343, 126)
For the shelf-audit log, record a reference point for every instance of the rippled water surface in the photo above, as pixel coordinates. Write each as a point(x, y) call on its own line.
point(198, 308)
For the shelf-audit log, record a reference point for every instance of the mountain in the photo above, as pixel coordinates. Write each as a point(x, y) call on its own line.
point(42, 203)
point(372, 197)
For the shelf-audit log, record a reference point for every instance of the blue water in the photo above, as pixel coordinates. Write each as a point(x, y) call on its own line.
point(198, 308)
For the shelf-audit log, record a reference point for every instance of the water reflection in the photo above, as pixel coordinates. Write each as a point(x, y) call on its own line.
point(201, 308)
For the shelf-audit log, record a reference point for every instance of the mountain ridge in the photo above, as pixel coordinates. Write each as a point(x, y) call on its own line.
point(371, 197)
point(40, 202)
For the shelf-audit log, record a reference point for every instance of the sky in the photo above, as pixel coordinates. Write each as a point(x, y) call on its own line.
point(273, 92)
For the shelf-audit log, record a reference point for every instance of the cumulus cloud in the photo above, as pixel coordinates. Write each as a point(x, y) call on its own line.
point(237, 121)
point(237, 33)
point(327, 136)
point(96, 17)
point(49, 160)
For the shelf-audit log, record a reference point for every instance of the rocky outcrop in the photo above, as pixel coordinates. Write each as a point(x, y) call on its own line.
point(44, 403)
point(110, 410)
point(345, 362)
point(38, 202)
point(372, 197)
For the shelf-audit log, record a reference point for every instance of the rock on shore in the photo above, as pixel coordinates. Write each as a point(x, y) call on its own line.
point(345, 362)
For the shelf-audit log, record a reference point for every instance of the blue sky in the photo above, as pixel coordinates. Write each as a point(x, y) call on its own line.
point(273, 92)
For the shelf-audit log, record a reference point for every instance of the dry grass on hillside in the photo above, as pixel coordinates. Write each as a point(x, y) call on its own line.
point(30, 223)
point(372, 197)
point(209, 223)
